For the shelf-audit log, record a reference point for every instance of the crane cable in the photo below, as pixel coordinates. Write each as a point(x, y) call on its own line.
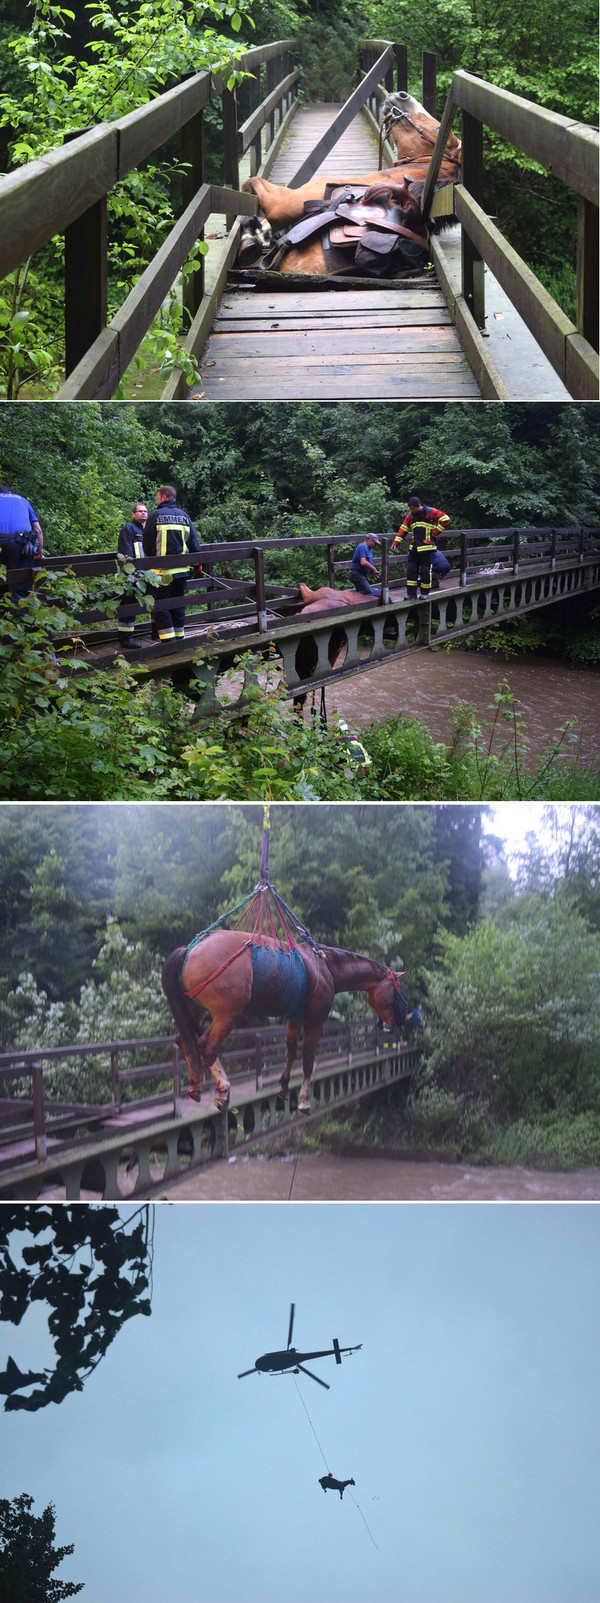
point(353, 1499)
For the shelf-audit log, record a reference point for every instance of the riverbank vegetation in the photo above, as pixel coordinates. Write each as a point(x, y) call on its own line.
point(68, 68)
point(244, 474)
point(500, 941)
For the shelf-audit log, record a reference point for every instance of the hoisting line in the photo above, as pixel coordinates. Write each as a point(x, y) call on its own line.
point(295, 1166)
point(353, 1499)
point(311, 1424)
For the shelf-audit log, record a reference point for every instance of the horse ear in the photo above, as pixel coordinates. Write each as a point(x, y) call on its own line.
point(399, 972)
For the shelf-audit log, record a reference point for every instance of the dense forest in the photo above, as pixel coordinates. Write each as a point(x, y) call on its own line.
point(278, 471)
point(67, 68)
point(501, 944)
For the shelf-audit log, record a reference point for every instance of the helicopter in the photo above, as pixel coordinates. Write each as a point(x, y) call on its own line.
point(291, 1361)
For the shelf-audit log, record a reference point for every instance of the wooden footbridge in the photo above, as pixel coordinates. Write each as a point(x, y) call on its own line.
point(234, 606)
point(121, 1148)
point(273, 339)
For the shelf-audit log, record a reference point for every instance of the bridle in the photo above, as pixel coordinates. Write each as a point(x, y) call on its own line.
point(396, 114)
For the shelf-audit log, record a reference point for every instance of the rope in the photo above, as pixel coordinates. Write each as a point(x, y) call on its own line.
point(353, 1500)
point(295, 1166)
point(311, 1423)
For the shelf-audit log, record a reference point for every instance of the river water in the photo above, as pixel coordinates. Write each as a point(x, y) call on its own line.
point(323, 1177)
point(431, 684)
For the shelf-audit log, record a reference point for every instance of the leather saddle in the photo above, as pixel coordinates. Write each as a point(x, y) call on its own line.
point(380, 234)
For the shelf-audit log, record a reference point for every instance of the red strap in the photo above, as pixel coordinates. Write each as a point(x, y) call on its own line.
point(197, 989)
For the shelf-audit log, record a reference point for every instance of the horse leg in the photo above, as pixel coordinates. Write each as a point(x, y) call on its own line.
point(208, 1047)
point(312, 1036)
point(291, 1044)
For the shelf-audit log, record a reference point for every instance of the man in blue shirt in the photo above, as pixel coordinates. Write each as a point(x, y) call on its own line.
point(361, 566)
point(21, 538)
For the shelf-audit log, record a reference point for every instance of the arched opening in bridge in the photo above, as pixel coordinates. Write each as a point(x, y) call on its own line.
point(306, 658)
point(390, 633)
point(337, 650)
point(366, 640)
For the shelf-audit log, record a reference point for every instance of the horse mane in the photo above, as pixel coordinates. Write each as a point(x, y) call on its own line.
point(342, 951)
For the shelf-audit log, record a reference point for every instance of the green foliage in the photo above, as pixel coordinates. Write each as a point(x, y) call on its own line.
point(28, 1556)
point(512, 1012)
point(93, 1274)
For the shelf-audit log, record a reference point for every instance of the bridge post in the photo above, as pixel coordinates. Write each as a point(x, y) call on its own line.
point(258, 1061)
point(553, 548)
point(259, 580)
point(231, 177)
point(429, 81)
point(515, 551)
point(86, 278)
point(39, 1117)
point(385, 572)
point(401, 68)
point(473, 282)
point(587, 270)
point(581, 545)
point(463, 558)
point(331, 565)
point(192, 153)
point(271, 79)
point(177, 1105)
point(114, 1079)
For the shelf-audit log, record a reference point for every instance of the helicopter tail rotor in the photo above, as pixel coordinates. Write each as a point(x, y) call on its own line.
point(336, 1349)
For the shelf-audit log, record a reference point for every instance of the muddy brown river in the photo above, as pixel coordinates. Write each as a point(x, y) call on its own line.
point(431, 684)
point(321, 1177)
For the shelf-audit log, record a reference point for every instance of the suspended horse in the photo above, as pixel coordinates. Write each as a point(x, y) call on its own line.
point(371, 225)
point(272, 968)
point(329, 1484)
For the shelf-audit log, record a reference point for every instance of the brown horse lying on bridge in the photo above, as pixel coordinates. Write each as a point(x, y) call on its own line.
point(322, 600)
point(239, 978)
point(414, 133)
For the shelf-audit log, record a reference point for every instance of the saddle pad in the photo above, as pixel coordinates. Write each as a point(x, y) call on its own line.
point(279, 982)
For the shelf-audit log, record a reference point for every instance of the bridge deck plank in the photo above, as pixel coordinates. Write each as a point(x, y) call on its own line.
point(386, 343)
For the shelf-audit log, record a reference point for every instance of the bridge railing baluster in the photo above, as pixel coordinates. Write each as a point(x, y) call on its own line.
point(39, 1114)
point(192, 152)
point(429, 82)
point(85, 278)
point(463, 558)
point(401, 68)
point(114, 1079)
point(516, 542)
point(473, 281)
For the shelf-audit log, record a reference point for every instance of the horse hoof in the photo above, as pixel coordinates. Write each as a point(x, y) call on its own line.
point(222, 1101)
point(304, 1107)
point(195, 1093)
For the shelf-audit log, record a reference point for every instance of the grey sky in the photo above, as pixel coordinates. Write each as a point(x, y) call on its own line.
point(469, 1420)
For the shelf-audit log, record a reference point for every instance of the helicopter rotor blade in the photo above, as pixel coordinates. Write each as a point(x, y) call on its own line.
point(291, 1324)
point(252, 1371)
point(314, 1377)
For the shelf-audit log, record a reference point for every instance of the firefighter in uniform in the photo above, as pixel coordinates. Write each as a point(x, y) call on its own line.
point(131, 545)
point(168, 532)
point(422, 524)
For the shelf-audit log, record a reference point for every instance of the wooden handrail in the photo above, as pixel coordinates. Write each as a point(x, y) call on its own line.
point(344, 117)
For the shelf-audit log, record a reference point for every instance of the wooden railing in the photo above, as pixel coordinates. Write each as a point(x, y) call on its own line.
point(255, 1054)
point(223, 597)
point(570, 151)
point(65, 192)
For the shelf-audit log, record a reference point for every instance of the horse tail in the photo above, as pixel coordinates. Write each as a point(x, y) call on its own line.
point(182, 1008)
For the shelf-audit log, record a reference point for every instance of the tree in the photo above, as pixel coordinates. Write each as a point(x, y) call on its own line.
point(94, 1271)
point(28, 1556)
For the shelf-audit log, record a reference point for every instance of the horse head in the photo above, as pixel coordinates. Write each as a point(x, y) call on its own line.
point(387, 1001)
point(407, 121)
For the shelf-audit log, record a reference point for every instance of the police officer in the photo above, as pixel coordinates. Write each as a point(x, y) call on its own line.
point(21, 537)
point(362, 565)
point(168, 532)
point(425, 563)
point(130, 544)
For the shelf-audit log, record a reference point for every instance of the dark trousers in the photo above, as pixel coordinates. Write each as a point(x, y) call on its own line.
point(361, 583)
point(11, 554)
point(169, 623)
point(418, 570)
